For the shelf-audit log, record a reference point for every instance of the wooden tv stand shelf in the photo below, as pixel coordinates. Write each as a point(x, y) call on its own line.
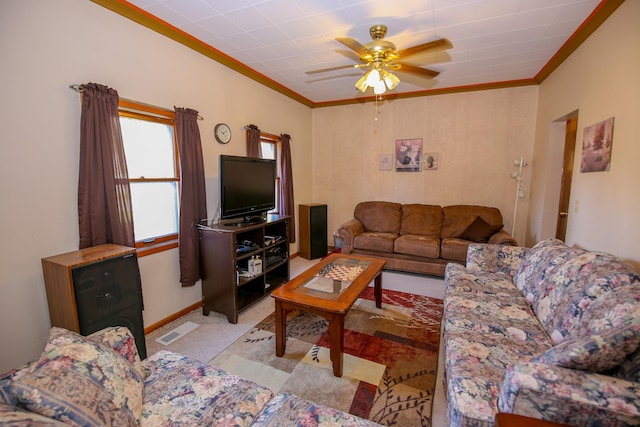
point(223, 255)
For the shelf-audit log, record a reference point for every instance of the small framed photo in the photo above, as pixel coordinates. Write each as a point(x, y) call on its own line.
point(386, 162)
point(430, 161)
point(409, 155)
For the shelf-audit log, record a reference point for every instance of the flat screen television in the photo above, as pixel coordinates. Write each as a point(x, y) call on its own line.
point(247, 188)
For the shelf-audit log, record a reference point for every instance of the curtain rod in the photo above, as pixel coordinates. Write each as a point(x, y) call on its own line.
point(267, 134)
point(78, 88)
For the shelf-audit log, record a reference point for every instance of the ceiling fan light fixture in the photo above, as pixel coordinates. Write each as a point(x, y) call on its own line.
point(362, 83)
point(373, 77)
point(390, 79)
point(379, 88)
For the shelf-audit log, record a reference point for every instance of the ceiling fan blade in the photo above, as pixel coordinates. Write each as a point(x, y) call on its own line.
point(340, 67)
point(352, 44)
point(422, 47)
point(407, 68)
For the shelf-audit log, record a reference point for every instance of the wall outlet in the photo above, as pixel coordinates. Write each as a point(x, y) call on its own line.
point(520, 191)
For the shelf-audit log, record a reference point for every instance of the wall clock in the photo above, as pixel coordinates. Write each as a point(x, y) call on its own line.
point(222, 133)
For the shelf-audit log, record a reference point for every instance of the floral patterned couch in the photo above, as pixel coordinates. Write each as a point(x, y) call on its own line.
point(100, 380)
point(551, 332)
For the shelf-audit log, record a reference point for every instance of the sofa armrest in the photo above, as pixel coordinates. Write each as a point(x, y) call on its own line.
point(502, 237)
point(569, 396)
point(348, 232)
point(495, 258)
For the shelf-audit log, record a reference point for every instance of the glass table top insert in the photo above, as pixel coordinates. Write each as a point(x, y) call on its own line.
point(334, 278)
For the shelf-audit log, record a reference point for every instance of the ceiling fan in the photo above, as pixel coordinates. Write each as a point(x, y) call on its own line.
point(380, 56)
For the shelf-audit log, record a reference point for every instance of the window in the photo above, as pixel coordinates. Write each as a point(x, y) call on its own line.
point(269, 148)
point(154, 175)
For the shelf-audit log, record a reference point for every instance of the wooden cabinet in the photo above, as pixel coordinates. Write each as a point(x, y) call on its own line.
point(93, 288)
point(225, 254)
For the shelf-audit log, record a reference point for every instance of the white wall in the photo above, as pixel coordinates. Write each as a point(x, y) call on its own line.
point(477, 136)
point(46, 46)
point(600, 80)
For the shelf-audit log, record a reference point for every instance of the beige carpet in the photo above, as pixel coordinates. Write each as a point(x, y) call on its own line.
point(390, 358)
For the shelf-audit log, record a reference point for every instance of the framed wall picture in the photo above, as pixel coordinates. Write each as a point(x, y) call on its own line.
point(430, 161)
point(409, 155)
point(596, 146)
point(386, 162)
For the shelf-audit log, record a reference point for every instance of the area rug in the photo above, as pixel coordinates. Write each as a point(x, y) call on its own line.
point(390, 358)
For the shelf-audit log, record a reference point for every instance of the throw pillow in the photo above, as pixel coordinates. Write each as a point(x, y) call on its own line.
point(81, 383)
point(479, 231)
point(117, 338)
point(596, 353)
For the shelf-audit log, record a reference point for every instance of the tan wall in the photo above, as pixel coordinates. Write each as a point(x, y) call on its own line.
point(600, 80)
point(45, 47)
point(477, 136)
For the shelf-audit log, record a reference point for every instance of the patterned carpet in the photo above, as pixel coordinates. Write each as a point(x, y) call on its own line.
point(390, 360)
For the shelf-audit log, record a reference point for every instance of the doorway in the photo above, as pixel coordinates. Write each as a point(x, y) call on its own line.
point(567, 174)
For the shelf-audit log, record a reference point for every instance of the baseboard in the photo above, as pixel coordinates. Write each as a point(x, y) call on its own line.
point(173, 317)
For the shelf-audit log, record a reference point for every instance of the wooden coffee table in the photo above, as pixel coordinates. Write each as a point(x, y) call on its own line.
point(328, 289)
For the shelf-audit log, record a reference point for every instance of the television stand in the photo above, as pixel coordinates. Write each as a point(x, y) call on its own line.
point(247, 220)
point(225, 251)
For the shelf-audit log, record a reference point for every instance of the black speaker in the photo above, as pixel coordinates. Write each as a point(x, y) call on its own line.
point(313, 230)
point(109, 293)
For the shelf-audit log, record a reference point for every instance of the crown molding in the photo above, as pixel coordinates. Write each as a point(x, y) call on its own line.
point(134, 13)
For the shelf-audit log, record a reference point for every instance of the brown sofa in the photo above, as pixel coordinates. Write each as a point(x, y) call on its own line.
point(420, 238)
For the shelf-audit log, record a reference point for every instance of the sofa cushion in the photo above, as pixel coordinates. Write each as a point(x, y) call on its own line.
point(475, 366)
point(288, 410)
point(563, 306)
point(463, 281)
point(117, 338)
point(17, 417)
point(381, 217)
point(539, 263)
point(479, 231)
point(418, 245)
point(84, 383)
point(599, 352)
point(180, 391)
point(457, 218)
point(507, 318)
point(495, 258)
point(375, 241)
point(454, 249)
point(422, 220)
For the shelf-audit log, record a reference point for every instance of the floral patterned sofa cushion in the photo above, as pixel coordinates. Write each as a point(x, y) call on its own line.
point(117, 338)
point(563, 304)
point(79, 382)
point(475, 364)
point(569, 396)
point(540, 262)
point(599, 352)
point(180, 391)
point(289, 410)
point(12, 416)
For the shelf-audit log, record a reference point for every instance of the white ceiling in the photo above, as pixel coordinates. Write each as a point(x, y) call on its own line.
point(493, 40)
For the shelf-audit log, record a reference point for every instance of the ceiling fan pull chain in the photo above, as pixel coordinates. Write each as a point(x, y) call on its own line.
point(375, 119)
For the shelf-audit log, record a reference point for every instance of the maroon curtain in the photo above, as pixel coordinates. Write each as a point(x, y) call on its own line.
point(105, 214)
point(193, 199)
point(253, 141)
point(286, 185)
